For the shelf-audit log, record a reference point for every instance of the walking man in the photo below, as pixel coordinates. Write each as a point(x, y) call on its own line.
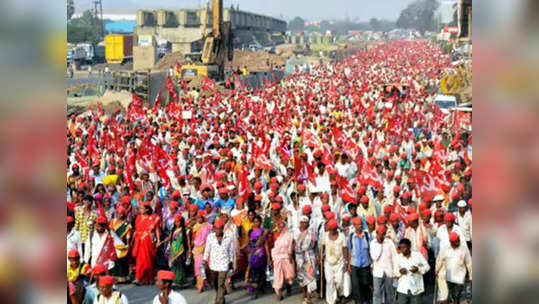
point(409, 268)
point(167, 295)
point(383, 253)
point(219, 252)
point(359, 266)
point(455, 259)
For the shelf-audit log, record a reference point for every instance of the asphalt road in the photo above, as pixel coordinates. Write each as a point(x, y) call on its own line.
point(145, 294)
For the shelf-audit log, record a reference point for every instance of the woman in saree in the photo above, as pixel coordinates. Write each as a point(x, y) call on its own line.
point(255, 276)
point(200, 232)
point(147, 231)
point(283, 263)
point(123, 230)
point(305, 248)
point(178, 249)
point(244, 227)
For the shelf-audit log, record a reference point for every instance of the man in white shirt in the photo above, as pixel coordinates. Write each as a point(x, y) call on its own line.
point(455, 260)
point(73, 236)
point(409, 268)
point(443, 231)
point(219, 252)
point(383, 255)
point(167, 295)
point(464, 220)
point(96, 243)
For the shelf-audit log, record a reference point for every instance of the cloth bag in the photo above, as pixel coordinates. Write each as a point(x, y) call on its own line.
point(347, 284)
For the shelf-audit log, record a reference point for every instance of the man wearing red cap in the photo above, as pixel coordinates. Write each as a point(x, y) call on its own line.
point(100, 245)
point(445, 230)
point(409, 268)
point(73, 236)
point(383, 253)
point(167, 295)
point(416, 234)
point(452, 264)
point(359, 266)
point(106, 293)
point(336, 261)
point(219, 253)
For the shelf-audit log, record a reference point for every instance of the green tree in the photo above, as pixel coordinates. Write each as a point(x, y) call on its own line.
point(296, 24)
point(82, 29)
point(70, 9)
point(374, 24)
point(418, 15)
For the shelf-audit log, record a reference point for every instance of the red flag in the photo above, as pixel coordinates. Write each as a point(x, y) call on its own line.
point(208, 84)
point(108, 252)
point(157, 102)
point(245, 187)
point(171, 90)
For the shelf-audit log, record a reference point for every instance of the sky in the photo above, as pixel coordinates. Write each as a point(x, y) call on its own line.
point(357, 10)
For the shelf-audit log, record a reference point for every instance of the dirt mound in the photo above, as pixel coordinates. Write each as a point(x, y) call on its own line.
point(255, 61)
point(170, 59)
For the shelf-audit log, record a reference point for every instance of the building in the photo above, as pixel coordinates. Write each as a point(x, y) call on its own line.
point(183, 28)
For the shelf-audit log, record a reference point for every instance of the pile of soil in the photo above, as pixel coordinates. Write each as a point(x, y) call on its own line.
point(255, 61)
point(170, 59)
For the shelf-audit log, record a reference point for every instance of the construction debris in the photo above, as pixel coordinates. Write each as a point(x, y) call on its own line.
point(169, 60)
point(258, 61)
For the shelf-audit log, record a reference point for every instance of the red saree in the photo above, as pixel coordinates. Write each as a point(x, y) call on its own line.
point(144, 250)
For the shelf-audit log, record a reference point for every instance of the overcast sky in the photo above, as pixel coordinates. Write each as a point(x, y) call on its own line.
point(286, 9)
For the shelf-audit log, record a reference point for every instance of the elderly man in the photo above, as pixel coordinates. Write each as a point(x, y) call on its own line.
point(106, 293)
point(336, 261)
point(454, 261)
point(409, 268)
point(167, 295)
point(359, 265)
point(383, 255)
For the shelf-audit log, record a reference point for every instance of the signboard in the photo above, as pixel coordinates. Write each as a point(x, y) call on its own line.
point(145, 40)
point(451, 29)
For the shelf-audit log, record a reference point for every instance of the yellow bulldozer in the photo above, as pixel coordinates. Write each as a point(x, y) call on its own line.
point(217, 48)
point(456, 79)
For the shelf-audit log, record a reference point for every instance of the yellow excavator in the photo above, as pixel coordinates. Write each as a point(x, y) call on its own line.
point(217, 48)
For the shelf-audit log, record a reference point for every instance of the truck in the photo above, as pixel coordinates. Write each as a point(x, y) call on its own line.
point(93, 53)
point(118, 48)
point(75, 55)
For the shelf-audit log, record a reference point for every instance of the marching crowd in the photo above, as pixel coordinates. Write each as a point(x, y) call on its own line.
point(347, 180)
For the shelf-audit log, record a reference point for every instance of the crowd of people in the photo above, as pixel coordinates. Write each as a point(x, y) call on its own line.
point(347, 180)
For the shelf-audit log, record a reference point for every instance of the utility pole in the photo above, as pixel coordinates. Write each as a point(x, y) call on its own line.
point(98, 19)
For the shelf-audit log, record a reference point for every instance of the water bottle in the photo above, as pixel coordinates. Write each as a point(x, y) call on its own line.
point(269, 274)
point(203, 271)
point(188, 261)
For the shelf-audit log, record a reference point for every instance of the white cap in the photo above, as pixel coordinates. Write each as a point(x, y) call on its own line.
point(461, 204)
point(438, 197)
point(303, 218)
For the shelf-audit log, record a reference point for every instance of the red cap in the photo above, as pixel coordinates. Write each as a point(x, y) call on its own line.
point(201, 213)
point(396, 189)
point(381, 219)
point(258, 185)
point(307, 209)
point(412, 217)
point(449, 217)
point(177, 217)
point(453, 236)
point(446, 187)
point(364, 199)
point(73, 254)
point(193, 207)
point(356, 220)
point(426, 212)
point(393, 217)
point(301, 187)
point(223, 190)
point(218, 223)
point(325, 195)
point(174, 204)
point(275, 206)
point(407, 194)
point(279, 198)
point(370, 220)
point(70, 219)
point(258, 197)
point(381, 229)
point(410, 210)
point(121, 210)
point(332, 224)
point(165, 275)
point(388, 209)
point(460, 187)
point(101, 220)
point(99, 269)
point(274, 186)
point(346, 217)
point(470, 202)
point(362, 190)
point(106, 280)
point(176, 194)
point(325, 207)
point(125, 200)
point(422, 206)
